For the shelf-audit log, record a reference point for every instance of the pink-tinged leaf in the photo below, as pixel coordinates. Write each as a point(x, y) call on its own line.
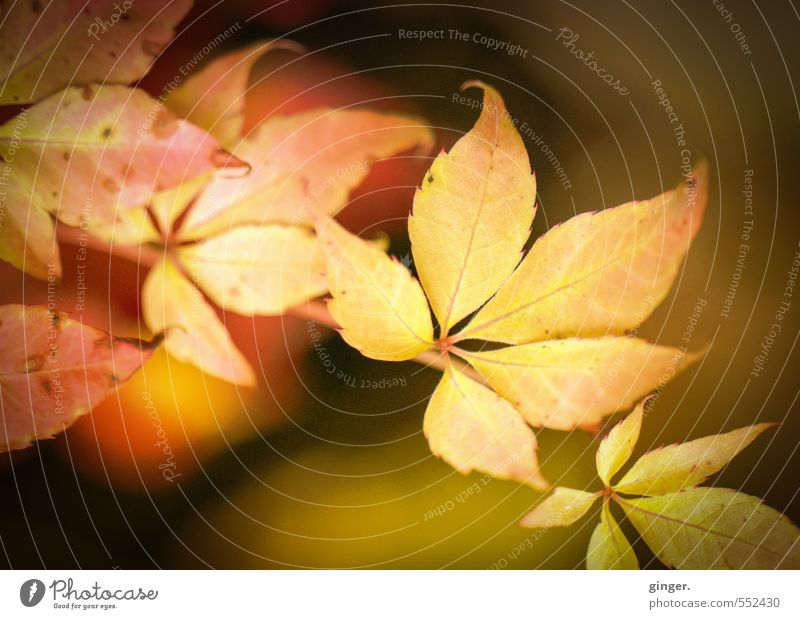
point(597, 274)
point(53, 369)
point(214, 97)
point(473, 214)
point(86, 153)
point(473, 429)
point(309, 161)
point(48, 46)
point(194, 333)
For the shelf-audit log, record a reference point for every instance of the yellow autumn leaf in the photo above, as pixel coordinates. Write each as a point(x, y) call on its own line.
point(53, 369)
point(473, 214)
point(260, 270)
point(28, 235)
point(609, 549)
point(47, 46)
point(714, 528)
point(564, 384)
point(379, 305)
point(562, 508)
point(303, 163)
point(616, 448)
point(597, 273)
point(214, 97)
point(194, 332)
point(473, 429)
point(674, 467)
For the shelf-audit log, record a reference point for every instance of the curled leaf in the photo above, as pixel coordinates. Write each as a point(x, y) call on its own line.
point(609, 549)
point(473, 429)
point(574, 382)
point(379, 305)
point(48, 46)
point(53, 369)
point(715, 528)
point(258, 269)
point(562, 508)
point(674, 467)
point(598, 273)
point(214, 97)
point(194, 334)
point(473, 214)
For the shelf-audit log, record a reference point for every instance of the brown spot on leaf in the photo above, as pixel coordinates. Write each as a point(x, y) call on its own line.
point(34, 363)
point(47, 385)
point(87, 93)
point(108, 132)
point(104, 342)
point(151, 48)
point(65, 156)
point(110, 184)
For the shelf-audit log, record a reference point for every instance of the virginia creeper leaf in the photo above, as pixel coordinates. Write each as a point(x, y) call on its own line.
point(53, 369)
point(598, 273)
point(616, 448)
point(715, 528)
point(563, 507)
point(671, 468)
point(473, 214)
point(562, 384)
point(473, 429)
point(47, 46)
point(194, 333)
point(609, 549)
point(86, 152)
point(258, 269)
point(214, 97)
point(303, 163)
point(379, 305)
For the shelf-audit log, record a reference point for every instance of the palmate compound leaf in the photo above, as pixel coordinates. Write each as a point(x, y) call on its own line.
point(609, 549)
point(46, 46)
point(574, 382)
point(92, 156)
point(473, 429)
point(53, 369)
point(302, 164)
point(674, 467)
point(714, 528)
point(260, 270)
point(214, 97)
point(378, 304)
point(473, 214)
point(194, 333)
point(598, 273)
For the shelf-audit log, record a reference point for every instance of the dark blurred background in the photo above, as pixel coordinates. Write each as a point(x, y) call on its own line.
point(312, 471)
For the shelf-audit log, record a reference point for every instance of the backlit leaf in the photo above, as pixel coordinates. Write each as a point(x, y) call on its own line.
point(562, 508)
point(214, 97)
point(47, 46)
point(304, 162)
point(616, 448)
point(258, 269)
point(473, 429)
point(379, 305)
point(87, 152)
point(28, 235)
point(473, 214)
point(194, 333)
point(671, 468)
point(715, 528)
point(609, 549)
point(598, 273)
point(53, 369)
point(574, 382)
